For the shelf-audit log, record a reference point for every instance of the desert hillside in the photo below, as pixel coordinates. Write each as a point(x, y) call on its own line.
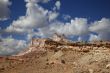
point(59, 55)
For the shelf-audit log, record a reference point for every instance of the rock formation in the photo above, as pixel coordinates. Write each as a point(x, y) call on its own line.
point(59, 55)
point(58, 42)
point(41, 44)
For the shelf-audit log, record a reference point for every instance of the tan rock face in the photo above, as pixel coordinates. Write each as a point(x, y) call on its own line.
point(42, 44)
point(59, 38)
point(108, 66)
point(38, 42)
point(55, 59)
point(58, 55)
point(58, 42)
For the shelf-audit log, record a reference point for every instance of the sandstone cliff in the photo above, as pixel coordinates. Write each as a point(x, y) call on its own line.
point(59, 55)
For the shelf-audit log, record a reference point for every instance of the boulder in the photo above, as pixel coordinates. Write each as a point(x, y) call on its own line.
point(56, 58)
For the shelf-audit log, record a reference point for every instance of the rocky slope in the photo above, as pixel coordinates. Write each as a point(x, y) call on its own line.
point(59, 55)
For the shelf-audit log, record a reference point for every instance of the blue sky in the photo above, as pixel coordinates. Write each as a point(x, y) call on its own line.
point(91, 9)
point(79, 20)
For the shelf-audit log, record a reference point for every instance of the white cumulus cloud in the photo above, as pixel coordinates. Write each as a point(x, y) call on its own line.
point(94, 37)
point(77, 26)
point(58, 4)
point(52, 15)
point(35, 18)
point(10, 46)
point(41, 22)
point(102, 28)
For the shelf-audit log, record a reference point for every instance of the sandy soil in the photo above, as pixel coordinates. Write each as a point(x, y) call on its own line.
point(66, 60)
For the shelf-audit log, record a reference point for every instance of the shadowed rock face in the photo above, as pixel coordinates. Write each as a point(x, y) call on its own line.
point(59, 55)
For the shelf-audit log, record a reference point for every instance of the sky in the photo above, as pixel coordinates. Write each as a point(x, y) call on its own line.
point(78, 20)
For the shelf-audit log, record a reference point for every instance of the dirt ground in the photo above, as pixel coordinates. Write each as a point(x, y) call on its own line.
point(66, 60)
